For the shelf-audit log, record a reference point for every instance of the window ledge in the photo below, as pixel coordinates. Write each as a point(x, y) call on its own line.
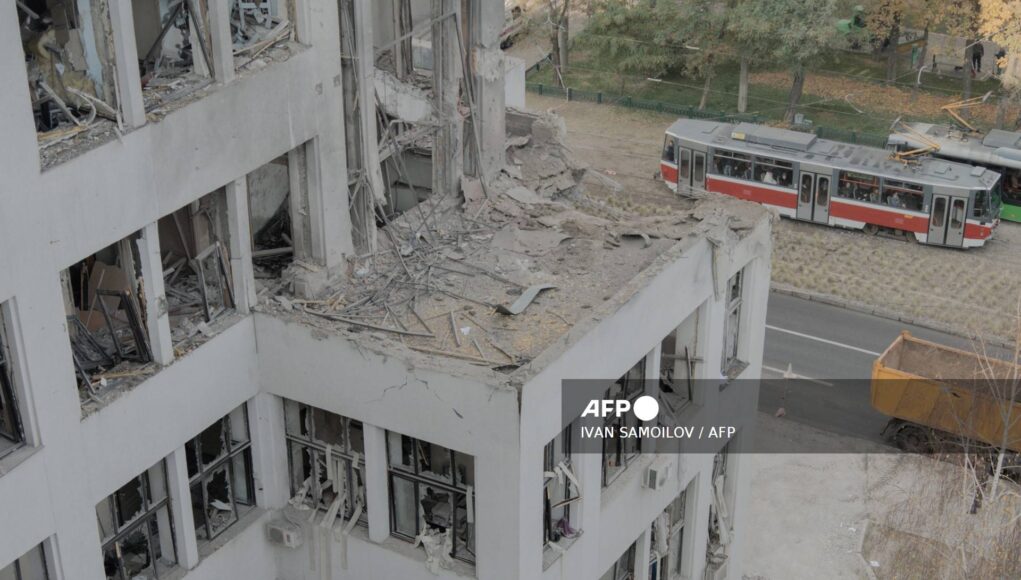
point(250, 518)
point(16, 457)
point(550, 555)
point(409, 550)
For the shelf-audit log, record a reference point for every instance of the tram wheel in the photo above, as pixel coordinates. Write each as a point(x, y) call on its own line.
point(871, 229)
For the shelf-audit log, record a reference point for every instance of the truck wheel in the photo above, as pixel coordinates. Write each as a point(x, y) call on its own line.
point(913, 440)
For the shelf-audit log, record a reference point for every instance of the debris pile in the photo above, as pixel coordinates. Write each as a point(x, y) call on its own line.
point(106, 327)
point(495, 273)
point(71, 95)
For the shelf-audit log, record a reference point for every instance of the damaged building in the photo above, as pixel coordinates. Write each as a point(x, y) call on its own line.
point(290, 293)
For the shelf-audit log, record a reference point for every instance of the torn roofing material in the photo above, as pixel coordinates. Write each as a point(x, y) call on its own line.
point(495, 280)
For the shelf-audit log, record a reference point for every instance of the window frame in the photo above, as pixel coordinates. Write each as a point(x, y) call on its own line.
point(9, 400)
point(15, 566)
point(720, 157)
point(732, 323)
point(417, 478)
point(560, 446)
point(624, 567)
point(623, 455)
point(143, 521)
point(349, 459)
point(226, 462)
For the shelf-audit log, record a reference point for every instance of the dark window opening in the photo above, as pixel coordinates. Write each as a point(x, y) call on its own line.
point(327, 460)
point(730, 164)
point(219, 464)
point(12, 434)
point(432, 495)
point(32, 565)
point(618, 451)
point(174, 43)
point(198, 282)
point(136, 529)
point(70, 65)
point(106, 319)
point(560, 490)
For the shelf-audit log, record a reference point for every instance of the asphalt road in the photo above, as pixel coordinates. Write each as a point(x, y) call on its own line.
point(824, 346)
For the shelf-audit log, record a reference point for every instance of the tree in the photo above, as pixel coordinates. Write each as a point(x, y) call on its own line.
point(558, 36)
point(788, 31)
point(704, 28)
point(636, 39)
point(883, 20)
point(960, 18)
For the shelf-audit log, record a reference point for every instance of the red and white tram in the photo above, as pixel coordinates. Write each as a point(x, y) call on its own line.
point(933, 201)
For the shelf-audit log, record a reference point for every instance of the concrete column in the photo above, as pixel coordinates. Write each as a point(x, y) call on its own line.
point(448, 148)
point(129, 83)
point(652, 389)
point(364, 69)
point(157, 320)
point(590, 472)
point(376, 485)
point(240, 234)
point(180, 509)
point(488, 82)
point(222, 49)
point(642, 549)
point(269, 451)
point(699, 524)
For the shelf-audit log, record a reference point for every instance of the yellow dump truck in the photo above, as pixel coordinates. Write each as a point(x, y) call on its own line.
point(937, 395)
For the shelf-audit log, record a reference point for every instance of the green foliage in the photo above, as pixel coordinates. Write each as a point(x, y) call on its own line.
point(784, 31)
point(634, 38)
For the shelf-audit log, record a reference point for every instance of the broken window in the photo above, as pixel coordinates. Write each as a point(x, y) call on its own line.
point(271, 211)
point(624, 567)
point(560, 488)
point(105, 318)
point(70, 64)
point(732, 365)
point(619, 451)
point(675, 542)
point(30, 566)
point(220, 474)
point(135, 528)
point(174, 44)
point(719, 512)
point(432, 493)
point(327, 460)
point(679, 355)
point(259, 29)
point(195, 248)
point(12, 434)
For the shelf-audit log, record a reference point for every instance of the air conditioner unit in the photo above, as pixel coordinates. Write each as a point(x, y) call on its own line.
point(284, 534)
point(658, 473)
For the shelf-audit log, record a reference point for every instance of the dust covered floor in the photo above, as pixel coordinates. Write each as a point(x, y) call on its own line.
point(975, 292)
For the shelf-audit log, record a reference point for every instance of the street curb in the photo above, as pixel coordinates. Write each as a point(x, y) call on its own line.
point(883, 313)
point(861, 551)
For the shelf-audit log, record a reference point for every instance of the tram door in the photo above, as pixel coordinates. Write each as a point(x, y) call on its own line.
point(946, 223)
point(691, 171)
point(814, 197)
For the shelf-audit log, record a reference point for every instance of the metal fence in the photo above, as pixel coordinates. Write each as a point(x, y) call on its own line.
point(692, 112)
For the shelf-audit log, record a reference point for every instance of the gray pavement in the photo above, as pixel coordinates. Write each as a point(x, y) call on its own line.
point(824, 345)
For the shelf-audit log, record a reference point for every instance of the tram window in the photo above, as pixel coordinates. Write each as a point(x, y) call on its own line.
point(774, 171)
point(668, 150)
point(858, 186)
point(902, 195)
point(806, 188)
point(981, 208)
point(685, 168)
point(823, 196)
point(957, 214)
point(699, 168)
point(939, 209)
point(732, 164)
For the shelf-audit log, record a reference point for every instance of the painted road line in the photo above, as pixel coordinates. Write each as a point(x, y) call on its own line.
point(783, 374)
point(824, 341)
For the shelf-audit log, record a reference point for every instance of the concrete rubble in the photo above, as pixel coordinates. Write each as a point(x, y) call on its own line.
point(446, 269)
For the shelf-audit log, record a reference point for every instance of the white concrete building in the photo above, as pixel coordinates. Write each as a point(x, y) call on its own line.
point(233, 346)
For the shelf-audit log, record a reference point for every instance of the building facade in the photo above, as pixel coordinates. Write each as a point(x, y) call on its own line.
point(189, 389)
